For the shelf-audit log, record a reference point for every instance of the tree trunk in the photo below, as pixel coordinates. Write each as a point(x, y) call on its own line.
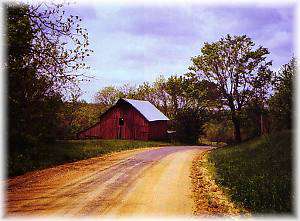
point(236, 122)
point(237, 129)
point(261, 125)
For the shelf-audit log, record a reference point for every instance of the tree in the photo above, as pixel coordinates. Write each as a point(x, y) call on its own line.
point(59, 46)
point(108, 96)
point(237, 69)
point(174, 88)
point(281, 103)
point(76, 116)
point(200, 93)
point(188, 124)
point(127, 90)
point(145, 91)
point(40, 68)
point(161, 95)
point(31, 98)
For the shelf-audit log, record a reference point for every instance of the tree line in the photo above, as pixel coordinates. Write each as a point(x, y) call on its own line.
point(223, 105)
point(226, 94)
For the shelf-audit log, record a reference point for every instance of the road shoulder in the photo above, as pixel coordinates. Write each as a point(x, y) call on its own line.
point(209, 198)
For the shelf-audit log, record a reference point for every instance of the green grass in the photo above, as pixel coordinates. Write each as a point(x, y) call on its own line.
point(48, 155)
point(258, 173)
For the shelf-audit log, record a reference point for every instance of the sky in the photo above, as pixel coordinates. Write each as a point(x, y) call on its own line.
point(137, 43)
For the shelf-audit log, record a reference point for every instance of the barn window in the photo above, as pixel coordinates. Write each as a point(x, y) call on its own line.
point(121, 121)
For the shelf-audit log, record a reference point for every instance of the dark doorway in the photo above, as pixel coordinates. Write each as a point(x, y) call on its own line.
point(121, 121)
point(121, 124)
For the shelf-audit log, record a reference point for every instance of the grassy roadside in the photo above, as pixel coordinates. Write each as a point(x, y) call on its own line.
point(60, 152)
point(257, 173)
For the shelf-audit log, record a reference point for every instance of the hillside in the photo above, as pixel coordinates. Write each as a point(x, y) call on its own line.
point(257, 174)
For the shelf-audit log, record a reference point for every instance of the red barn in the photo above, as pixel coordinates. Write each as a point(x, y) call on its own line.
point(131, 120)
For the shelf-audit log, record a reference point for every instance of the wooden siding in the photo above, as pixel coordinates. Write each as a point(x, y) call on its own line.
point(158, 130)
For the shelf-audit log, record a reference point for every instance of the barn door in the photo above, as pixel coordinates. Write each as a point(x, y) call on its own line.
point(120, 135)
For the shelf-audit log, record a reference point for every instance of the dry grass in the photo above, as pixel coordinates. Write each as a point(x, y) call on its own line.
point(209, 198)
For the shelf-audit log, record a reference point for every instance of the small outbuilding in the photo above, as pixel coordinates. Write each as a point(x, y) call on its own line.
point(131, 120)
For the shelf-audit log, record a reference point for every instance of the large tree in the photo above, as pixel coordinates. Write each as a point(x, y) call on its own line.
point(59, 45)
point(46, 49)
point(238, 69)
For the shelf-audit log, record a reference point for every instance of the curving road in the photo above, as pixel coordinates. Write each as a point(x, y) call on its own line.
point(153, 181)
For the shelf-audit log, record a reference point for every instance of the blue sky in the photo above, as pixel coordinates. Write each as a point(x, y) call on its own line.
point(136, 43)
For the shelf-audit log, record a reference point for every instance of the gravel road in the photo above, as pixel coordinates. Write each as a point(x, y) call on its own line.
point(142, 182)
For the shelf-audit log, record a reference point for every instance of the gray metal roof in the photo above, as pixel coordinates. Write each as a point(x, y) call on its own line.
point(148, 110)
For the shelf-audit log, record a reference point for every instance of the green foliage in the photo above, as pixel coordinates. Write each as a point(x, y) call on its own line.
point(75, 116)
point(281, 103)
point(47, 155)
point(258, 173)
point(108, 96)
point(251, 120)
point(174, 87)
point(154, 93)
point(147, 91)
point(200, 93)
point(218, 131)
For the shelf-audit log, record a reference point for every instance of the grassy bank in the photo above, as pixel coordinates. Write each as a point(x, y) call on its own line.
point(258, 173)
point(48, 155)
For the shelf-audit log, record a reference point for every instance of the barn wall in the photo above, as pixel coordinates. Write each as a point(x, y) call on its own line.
point(135, 126)
point(158, 130)
point(104, 129)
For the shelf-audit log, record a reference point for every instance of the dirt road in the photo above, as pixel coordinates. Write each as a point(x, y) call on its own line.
point(152, 181)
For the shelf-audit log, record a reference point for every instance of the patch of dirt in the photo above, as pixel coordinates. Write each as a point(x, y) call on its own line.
point(209, 198)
